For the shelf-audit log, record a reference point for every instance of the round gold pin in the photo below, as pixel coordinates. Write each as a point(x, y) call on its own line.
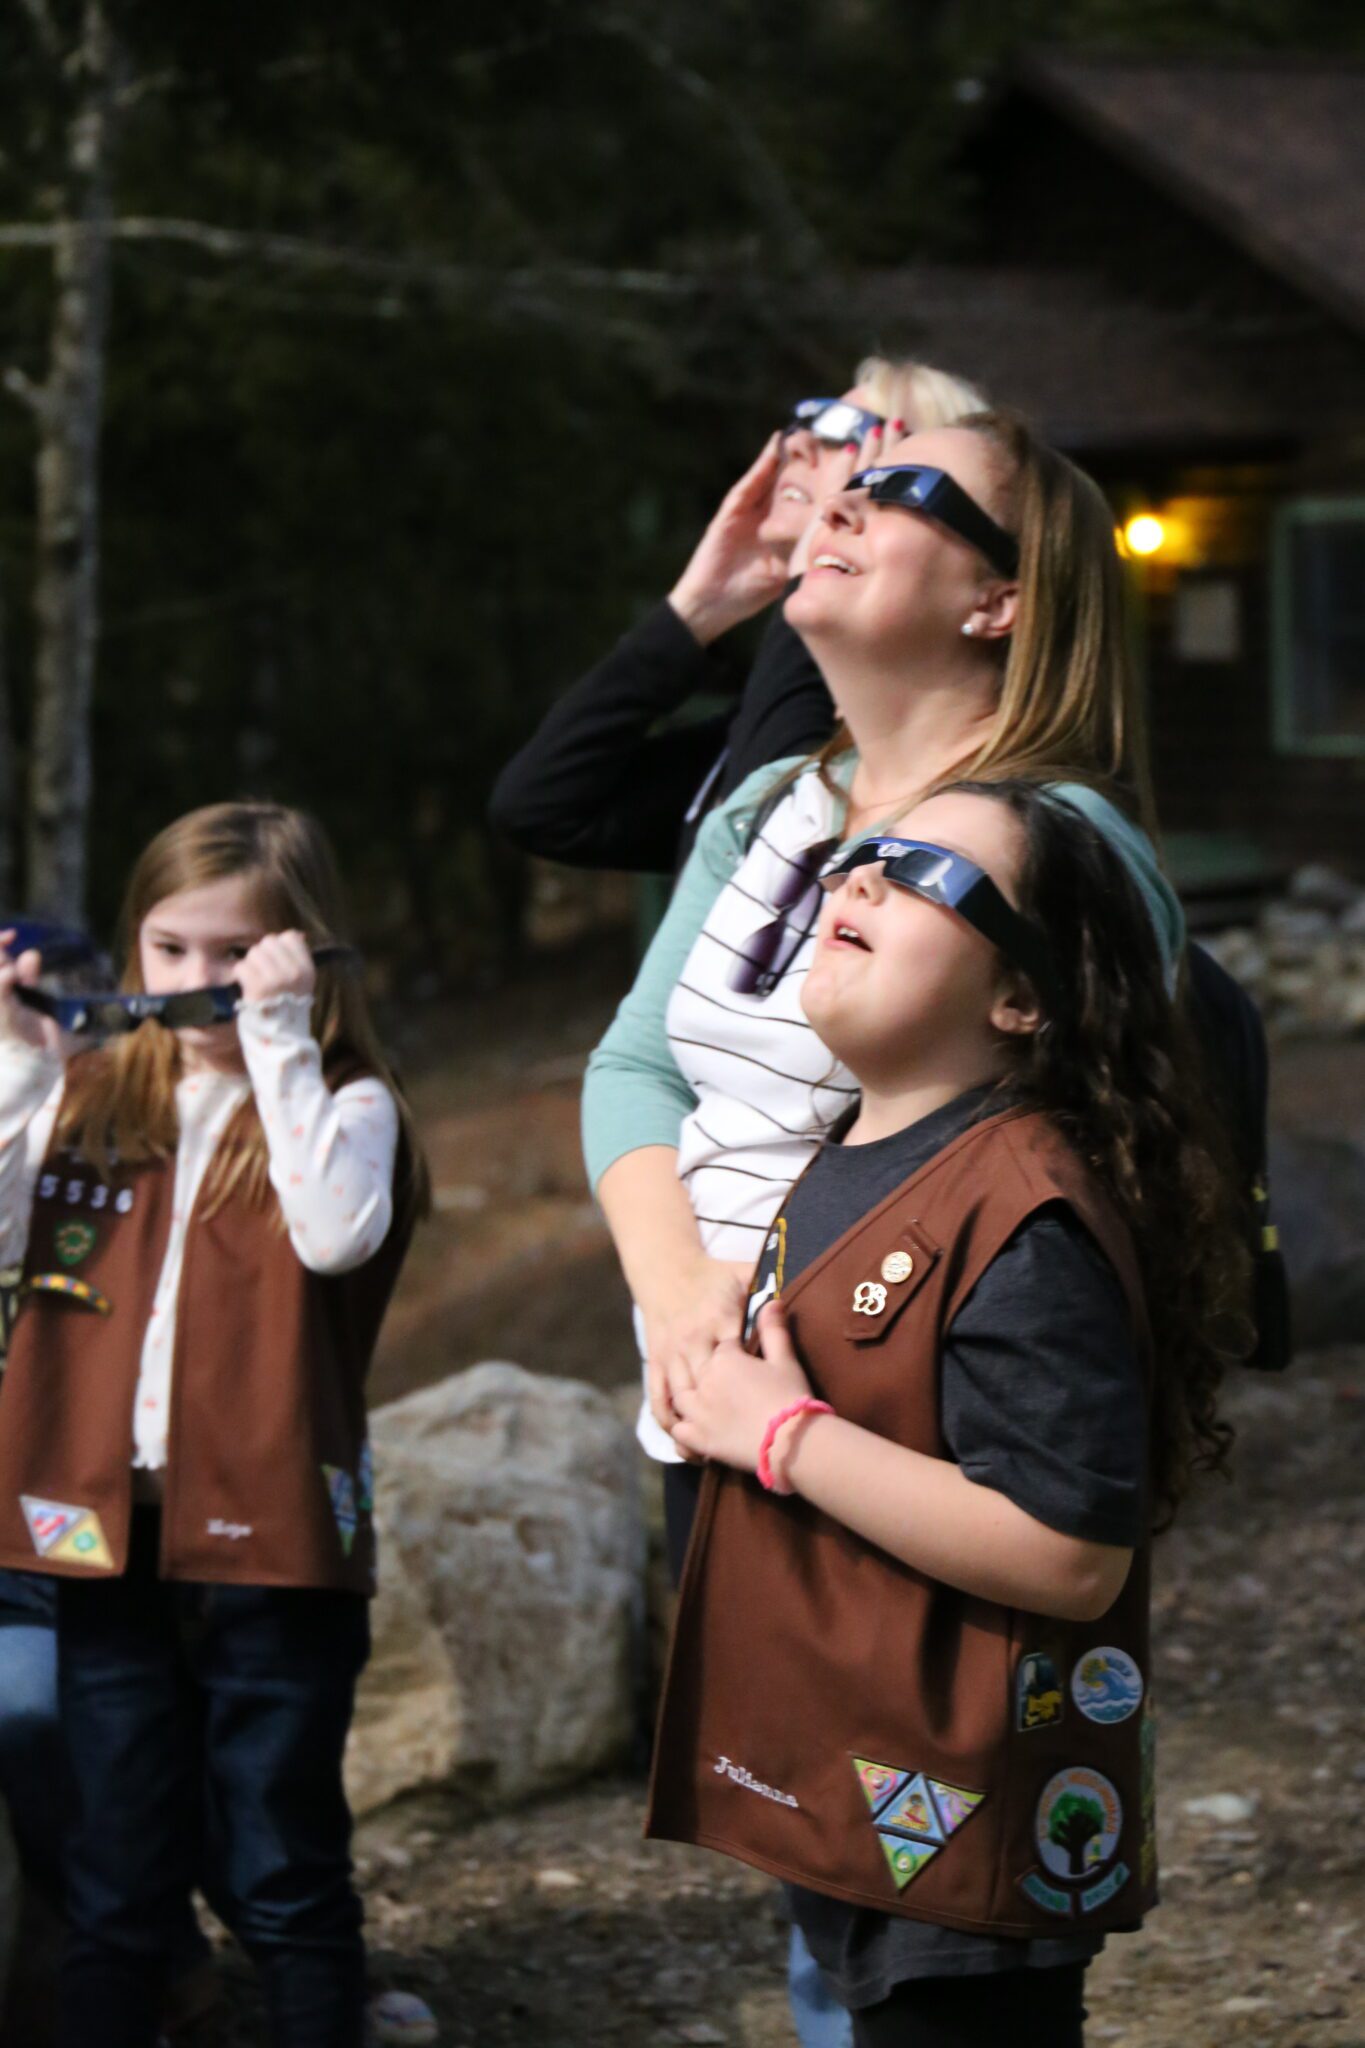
point(897, 1266)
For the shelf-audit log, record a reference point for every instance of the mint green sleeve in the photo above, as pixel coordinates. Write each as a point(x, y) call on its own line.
point(633, 1091)
point(1138, 855)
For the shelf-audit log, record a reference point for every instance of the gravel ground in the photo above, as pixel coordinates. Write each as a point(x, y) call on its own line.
point(557, 1925)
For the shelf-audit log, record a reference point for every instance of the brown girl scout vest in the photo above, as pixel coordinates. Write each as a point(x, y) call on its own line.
point(268, 1478)
point(844, 1722)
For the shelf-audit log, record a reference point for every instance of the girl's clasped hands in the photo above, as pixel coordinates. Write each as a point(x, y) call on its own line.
point(725, 1414)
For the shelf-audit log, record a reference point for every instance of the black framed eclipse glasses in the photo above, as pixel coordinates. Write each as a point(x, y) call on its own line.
point(109, 1013)
point(834, 420)
point(936, 494)
point(959, 885)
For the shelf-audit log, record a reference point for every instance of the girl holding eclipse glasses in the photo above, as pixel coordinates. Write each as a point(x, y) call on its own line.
point(211, 1209)
point(711, 1092)
point(950, 1754)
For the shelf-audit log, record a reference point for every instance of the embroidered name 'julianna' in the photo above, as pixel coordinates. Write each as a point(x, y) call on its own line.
point(746, 1778)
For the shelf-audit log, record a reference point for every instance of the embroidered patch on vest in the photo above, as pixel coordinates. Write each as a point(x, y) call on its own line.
point(1038, 1701)
point(70, 1534)
point(1076, 1828)
point(64, 1283)
point(74, 1241)
point(1107, 1685)
point(913, 1814)
point(341, 1490)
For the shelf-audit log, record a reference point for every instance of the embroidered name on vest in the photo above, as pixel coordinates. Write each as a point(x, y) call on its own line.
point(740, 1776)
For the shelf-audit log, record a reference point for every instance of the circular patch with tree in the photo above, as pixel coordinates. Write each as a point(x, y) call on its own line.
point(1078, 1822)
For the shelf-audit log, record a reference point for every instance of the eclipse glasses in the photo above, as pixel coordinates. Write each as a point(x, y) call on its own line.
point(934, 492)
point(109, 1013)
point(833, 420)
point(959, 885)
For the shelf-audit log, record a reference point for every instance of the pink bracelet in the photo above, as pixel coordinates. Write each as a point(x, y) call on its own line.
point(808, 1406)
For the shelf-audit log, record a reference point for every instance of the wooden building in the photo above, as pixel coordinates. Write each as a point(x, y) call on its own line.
point(1170, 278)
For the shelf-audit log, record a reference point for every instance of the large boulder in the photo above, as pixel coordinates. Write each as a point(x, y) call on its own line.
point(508, 1626)
point(1317, 1200)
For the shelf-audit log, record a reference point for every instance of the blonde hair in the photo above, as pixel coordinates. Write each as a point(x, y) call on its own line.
point(917, 393)
point(1069, 707)
point(119, 1102)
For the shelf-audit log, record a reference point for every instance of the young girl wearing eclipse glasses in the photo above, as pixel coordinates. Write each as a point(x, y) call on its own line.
point(984, 1338)
point(211, 1210)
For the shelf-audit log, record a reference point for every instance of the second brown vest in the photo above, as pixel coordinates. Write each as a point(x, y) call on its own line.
point(841, 1720)
point(268, 1477)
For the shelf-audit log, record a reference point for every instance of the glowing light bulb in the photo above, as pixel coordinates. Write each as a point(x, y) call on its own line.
point(1144, 534)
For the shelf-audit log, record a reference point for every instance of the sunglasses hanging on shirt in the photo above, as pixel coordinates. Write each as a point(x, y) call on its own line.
point(110, 1013)
point(936, 494)
point(955, 882)
point(833, 420)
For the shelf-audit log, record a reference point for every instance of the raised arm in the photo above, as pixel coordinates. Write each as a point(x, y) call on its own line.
point(331, 1155)
point(598, 785)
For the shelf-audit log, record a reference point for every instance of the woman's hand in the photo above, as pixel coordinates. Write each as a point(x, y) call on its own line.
point(280, 964)
point(16, 1020)
point(701, 1308)
point(726, 1414)
point(732, 574)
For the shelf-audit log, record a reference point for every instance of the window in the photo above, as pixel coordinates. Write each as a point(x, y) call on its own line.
point(1318, 590)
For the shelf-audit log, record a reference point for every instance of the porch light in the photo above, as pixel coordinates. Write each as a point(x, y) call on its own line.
point(1144, 534)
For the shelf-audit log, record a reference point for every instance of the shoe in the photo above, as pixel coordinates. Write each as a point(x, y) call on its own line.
point(399, 2019)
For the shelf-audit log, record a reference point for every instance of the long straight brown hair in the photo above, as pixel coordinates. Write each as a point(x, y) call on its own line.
point(119, 1102)
point(1070, 707)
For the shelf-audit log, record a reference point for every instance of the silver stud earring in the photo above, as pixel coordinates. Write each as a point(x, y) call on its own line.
point(968, 627)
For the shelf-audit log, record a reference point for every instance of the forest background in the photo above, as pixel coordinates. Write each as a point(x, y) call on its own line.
point(367, 369)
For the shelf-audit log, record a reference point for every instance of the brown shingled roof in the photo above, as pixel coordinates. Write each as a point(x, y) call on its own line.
point(1103, 371)
point(1270, 150)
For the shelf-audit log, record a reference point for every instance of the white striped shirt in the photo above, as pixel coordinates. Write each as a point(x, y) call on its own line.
point(767, 1089)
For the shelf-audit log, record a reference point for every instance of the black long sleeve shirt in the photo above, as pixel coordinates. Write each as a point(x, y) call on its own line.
point(599, 786)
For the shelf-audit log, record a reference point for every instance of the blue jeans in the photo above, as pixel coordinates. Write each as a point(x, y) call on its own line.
point(205, 1727)
point(821, 2022)
point(32, 1766)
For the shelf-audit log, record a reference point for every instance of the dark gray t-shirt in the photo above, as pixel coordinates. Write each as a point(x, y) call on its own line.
point(1041, 1398)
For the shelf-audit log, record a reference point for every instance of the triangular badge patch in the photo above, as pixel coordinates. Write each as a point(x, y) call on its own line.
point(68, 1534)
point(905, 1859)
point(913, 1814)
point(880, 1782)
point(954, 1804)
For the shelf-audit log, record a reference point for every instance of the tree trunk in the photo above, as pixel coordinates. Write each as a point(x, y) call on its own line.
point(69, 411)
point(8, 898)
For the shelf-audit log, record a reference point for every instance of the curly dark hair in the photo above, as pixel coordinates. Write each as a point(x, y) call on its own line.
point(1118, 1069)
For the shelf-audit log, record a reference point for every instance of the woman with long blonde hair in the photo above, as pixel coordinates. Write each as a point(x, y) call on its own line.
point(210, 1210)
